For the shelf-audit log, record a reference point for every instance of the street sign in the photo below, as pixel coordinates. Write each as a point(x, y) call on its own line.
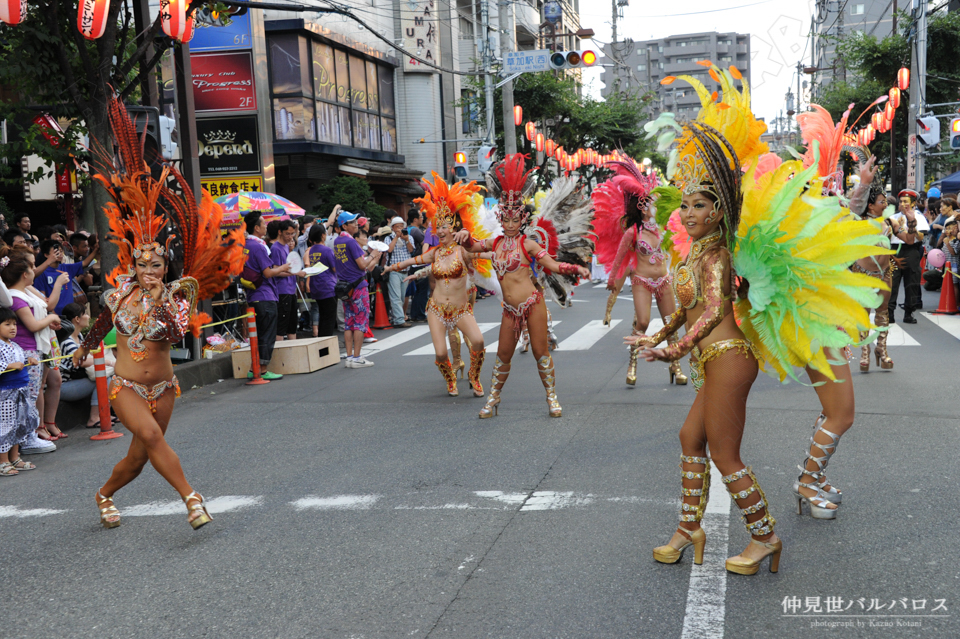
point(526, 61)
point(912, 162)
point(552, 11)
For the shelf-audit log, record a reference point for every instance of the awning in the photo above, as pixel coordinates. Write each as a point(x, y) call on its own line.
point(397, 179)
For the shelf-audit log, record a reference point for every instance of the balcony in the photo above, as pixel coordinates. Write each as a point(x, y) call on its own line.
point(527, 16)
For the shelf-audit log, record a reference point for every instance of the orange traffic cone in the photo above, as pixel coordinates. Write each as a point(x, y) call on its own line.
point(948, 300)
point(380, 318)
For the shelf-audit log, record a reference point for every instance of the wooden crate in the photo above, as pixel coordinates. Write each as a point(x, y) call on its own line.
point(289, 358)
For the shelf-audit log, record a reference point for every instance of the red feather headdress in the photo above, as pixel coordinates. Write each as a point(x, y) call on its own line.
point(509, 182)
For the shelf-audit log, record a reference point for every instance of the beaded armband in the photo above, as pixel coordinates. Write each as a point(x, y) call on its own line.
point(100, 328)
point(566, 269)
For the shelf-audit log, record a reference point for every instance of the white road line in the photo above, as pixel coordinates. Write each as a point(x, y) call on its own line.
point(14, 511)
point(706, 595)
point(492, 348)
point(587, 336)
point(340, 502)
point(550, 500)
point(949, 323)
point(428, 349)
point(897, 336)
point(396, 339)
point(223, 504)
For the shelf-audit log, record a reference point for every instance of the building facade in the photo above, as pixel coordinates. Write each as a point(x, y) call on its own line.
point(641, 65)
point(833, 21)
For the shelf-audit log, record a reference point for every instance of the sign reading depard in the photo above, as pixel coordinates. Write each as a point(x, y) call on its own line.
point(223, 82)
point(228, 145)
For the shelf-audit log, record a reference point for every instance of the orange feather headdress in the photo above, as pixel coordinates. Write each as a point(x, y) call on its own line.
point(446, 204)
point(142, 207)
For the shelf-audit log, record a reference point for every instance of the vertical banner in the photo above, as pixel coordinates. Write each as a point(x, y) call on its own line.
point(419, 20)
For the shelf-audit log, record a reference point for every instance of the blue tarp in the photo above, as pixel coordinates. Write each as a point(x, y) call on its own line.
point(949, 184)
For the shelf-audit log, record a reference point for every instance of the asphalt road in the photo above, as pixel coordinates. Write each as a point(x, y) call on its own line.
point(367, 503)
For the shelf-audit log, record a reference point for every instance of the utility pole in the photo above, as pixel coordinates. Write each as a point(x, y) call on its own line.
point(893, 129)
point(613, 49)
point(841, 5)
point(918, 88)
point(487, 78)
point(508, 27)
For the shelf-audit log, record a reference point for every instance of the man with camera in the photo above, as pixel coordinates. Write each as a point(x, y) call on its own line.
point(400, 246)
point(908, 226)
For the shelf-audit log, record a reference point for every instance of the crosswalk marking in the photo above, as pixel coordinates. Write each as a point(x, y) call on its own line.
point(587, 336)
point(428, 349)
point(492, 348)
point(949, 323)
point(398, 338)
point(896, 336)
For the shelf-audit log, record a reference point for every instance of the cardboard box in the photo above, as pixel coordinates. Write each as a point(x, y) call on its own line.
point(290, 358)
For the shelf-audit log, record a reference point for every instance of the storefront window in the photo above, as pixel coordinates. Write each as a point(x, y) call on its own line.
point(328, 129)
point(386, 91)
point(293, 119)
point(389, 135)
point(358, 83)
point(343, 77)
point(373, 92)
point(324, 74)
point(289, 75)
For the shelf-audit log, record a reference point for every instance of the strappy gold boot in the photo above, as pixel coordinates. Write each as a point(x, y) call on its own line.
point(864, 353)
point(676, 371)
point(109, 515)
point(545, 367)
point(448, 376)
point(476, 366)
point(632, 367)
point(882, 319)
point(671, 554)
point(496, 383)
point(457, 364)
point(741, 564)
point(203, 518)
point(611, 300)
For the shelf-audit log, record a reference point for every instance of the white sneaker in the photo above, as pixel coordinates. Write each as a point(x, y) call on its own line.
point(369, 340)
point(349, 362)
point(33, 445)
point(362, 363)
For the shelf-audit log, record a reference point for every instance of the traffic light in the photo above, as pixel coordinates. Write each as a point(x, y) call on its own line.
point(928, 131)
point(955, 133)
point(573, 59)
point(460, 165)
point(485, 156)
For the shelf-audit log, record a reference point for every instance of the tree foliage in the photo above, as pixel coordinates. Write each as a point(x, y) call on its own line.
point(353, 194)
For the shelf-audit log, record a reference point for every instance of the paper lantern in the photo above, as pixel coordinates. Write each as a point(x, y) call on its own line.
point(190, 30)
point(875, 119)
point(894, 95)
point(531, 130)
point(903, 78)
point(173, 18)
point(539, 141)
point(889, 111)
point(92, 18)
point(13, 11)
point(517, 115)
point(551, 146)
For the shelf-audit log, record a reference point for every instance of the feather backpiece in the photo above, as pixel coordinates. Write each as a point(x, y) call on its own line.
point(608, 205)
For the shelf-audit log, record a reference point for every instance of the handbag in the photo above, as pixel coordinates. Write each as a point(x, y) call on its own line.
point(79, 297)
point(250, 278)
point(344, 289)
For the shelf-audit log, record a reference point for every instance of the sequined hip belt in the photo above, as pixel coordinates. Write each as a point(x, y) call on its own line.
point(699, 359)
point(449, 313)
point(521, 314)
point(150, 394)
point(655, 286)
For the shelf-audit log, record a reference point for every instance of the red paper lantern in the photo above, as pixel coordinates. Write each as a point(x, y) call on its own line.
point(539, 141)
point(875, 119)
point(517, 114)
point(551, 146)
point(531, 130)
point(92, 18)
point(894, 97)
point(13, 11)
point(903, 78)
point(173, 18)
point(190, 30)
point(889, 111)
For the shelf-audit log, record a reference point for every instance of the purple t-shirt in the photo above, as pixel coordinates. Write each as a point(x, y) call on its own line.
point(321, 286)
point(346, 250)
point(258, 258)
point(24, 338)
point(278, 256)
point(44, 283)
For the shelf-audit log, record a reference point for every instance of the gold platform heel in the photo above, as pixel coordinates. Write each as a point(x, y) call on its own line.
point(864, 353)
point(457, 365)
point(676, 371)
point(632, 367)
point(203, 518)
point(611, 300)
point(882, 319)
point(545, 367)
point(740, 564)
point(109, 515)
point(496, 384)
point(449, 376)
point(671, 554)
point(476, 367)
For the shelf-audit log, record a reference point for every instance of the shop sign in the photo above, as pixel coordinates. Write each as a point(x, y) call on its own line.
point(211, 35)
point(217, 187)
point(419, 21)
point(223, 82)
point(228, 145)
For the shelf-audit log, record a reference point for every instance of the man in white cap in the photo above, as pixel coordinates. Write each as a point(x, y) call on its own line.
point(908, 225)
point(401, 245)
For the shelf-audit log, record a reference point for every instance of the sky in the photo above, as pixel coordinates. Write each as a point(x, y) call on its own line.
point(778, 37)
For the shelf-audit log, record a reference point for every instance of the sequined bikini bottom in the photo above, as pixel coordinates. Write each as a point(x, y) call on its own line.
point(699, 359)
point(150, 394)
point(655, 286)
point(521, 314)
point(449, 313)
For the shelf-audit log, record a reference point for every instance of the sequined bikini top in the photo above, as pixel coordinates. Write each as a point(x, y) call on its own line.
point(512, 257)
point(453, 270)
point(165, 320)
point(686, 285)
point(654, 254)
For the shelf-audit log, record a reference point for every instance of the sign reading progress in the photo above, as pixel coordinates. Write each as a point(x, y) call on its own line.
point(228, 145)
point(526, 61)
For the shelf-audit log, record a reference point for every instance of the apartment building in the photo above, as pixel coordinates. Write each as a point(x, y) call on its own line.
point(833, 21)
